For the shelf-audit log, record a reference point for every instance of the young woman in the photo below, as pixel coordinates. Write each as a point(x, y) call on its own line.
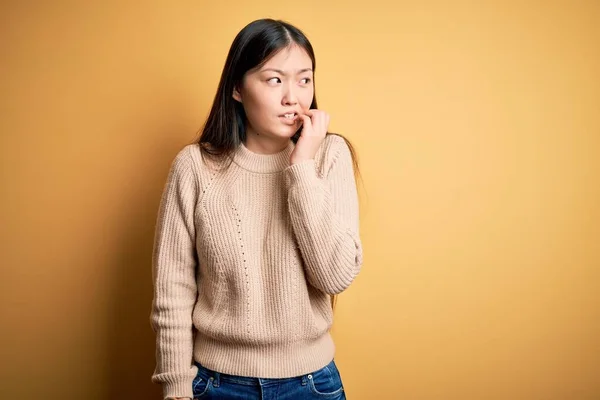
point(257, 228)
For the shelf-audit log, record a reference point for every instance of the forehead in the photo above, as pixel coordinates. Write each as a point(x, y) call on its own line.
point(290, 58)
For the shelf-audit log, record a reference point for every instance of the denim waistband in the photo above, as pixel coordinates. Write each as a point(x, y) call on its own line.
point(218, 377)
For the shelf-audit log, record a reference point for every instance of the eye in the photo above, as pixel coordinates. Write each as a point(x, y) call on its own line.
point(308, 80)
point(270, 80)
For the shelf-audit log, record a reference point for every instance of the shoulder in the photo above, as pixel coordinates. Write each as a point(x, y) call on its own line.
point(181, 176)
point(190, 166)
point(192, 157)
point(184, 161)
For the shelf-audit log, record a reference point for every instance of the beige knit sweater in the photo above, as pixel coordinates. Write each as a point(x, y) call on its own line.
point(244, 259)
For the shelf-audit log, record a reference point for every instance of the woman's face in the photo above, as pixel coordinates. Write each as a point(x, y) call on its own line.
point(284, 85)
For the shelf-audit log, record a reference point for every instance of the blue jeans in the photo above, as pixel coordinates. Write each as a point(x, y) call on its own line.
point(325, 383)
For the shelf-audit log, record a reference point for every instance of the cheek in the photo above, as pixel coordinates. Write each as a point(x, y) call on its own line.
point(307, 98)
point(269, 104)
point(265, 109)
point(255, 110)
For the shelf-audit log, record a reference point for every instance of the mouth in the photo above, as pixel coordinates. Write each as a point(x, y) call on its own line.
point(289, 117)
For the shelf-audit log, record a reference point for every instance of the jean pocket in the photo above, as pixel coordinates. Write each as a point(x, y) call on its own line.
point(200, 386)
point(326, 382)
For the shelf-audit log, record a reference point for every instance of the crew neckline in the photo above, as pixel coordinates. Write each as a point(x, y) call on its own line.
point(263, 163)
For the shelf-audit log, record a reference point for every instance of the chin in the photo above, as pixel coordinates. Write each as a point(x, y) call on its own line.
point(289, 132)
point(282, 132)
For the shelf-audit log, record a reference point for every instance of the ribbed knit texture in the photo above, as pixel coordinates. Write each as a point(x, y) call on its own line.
point(244, 260)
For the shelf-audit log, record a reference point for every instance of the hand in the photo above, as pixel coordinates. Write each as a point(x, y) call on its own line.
point(314, 130)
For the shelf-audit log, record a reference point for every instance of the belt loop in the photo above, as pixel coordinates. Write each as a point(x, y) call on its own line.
point(303, 380)
point(216, 379)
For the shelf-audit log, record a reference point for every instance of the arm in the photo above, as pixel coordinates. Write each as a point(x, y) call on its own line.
point(174, 261)
point(324, 215)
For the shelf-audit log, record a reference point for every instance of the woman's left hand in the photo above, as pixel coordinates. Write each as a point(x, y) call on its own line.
point(314, 130)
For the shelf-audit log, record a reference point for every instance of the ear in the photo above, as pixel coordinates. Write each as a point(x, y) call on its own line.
point(237, 95)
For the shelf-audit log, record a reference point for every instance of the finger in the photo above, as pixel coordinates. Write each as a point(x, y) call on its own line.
point(321, 121)
point(309, 112)
point(318, 115)
point(306, 121)
point(327, 120)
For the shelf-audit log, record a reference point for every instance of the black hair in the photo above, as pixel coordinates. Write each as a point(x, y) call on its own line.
point(253, 46)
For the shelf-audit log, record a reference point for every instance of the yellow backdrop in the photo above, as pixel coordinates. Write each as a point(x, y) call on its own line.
point(477, 126)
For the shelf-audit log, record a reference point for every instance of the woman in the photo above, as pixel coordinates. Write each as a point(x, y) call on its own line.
point(258, 226)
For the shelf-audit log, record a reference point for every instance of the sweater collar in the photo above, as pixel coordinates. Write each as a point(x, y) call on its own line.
point(263, 163)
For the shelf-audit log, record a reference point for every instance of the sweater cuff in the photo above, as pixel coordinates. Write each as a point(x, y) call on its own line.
point(178, 388)
point(303, 173)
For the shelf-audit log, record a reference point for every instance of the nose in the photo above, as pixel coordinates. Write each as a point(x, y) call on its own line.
point(289, 95)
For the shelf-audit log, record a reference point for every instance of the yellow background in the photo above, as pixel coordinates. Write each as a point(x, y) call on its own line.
point(477, 126)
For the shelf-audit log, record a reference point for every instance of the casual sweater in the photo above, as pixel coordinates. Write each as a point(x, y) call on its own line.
point(245, 257)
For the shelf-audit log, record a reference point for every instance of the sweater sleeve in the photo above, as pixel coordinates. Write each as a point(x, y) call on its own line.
point(174, 262)
point(324, 214)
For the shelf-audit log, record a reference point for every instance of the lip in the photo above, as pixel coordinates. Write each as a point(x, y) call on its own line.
point(289, 121)
point(295, 111)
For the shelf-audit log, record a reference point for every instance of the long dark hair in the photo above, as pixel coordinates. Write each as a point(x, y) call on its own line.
point(254, 45)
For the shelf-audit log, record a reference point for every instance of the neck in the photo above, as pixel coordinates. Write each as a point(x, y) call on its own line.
point(268, 158)
point(263, 144)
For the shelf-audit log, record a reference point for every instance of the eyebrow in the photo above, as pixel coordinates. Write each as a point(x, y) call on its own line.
point(283, 73)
